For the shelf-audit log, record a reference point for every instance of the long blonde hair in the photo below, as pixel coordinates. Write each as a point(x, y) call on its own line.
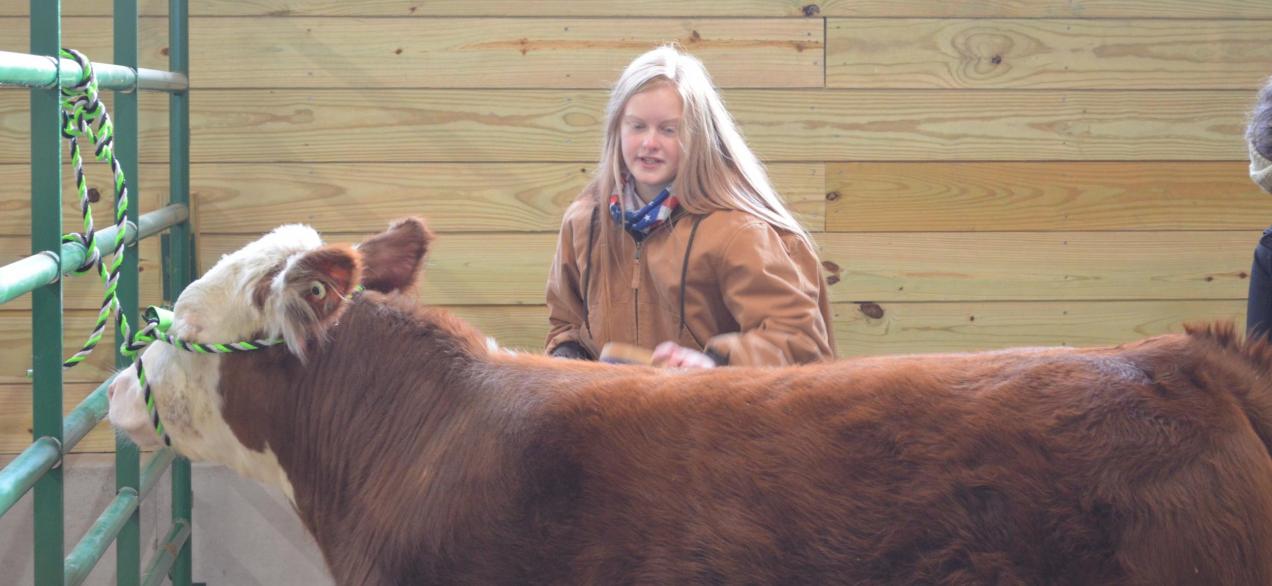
point(717, 170)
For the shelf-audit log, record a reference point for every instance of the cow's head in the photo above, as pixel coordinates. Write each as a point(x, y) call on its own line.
point(287, 285)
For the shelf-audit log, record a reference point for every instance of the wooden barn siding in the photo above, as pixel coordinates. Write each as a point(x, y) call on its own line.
point(979, 174)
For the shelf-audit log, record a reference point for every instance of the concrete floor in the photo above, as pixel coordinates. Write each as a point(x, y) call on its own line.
point(244, 534)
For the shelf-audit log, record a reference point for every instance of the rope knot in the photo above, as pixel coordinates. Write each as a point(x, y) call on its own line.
point(92, 256)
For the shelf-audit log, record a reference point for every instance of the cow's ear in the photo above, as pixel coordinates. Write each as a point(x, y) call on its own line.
point(392, 259)
point(315, 288)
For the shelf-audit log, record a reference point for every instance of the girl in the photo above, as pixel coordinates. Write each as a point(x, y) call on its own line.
point(680, 240)
point(1259, 137)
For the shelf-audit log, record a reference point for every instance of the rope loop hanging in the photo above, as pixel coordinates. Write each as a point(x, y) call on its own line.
point(84, 116)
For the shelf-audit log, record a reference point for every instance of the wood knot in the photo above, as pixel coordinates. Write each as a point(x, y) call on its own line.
point(832, 196)
point(997, 60)
point(398, 51)
point(834, 271)
point(694, 37)
point(811, 10)
point(871, 309)
point(94, 195)
point(163, 51)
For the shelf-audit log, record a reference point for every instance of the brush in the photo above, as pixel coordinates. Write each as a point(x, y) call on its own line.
point(620, 353)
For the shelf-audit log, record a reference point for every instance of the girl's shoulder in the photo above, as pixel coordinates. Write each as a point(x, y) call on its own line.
point(730, 221)
point(722, 230)
point(581, 208)
point(741, 224)
point(740, 229)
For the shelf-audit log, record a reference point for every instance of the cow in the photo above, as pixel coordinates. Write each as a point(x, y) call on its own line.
point(415, 454)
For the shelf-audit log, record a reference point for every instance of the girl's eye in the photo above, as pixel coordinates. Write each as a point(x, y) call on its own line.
point(669, 131)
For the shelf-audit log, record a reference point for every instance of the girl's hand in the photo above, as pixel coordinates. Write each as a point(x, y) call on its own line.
point(673, 355)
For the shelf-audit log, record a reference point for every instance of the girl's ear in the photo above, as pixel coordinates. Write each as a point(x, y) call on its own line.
point(392, 259)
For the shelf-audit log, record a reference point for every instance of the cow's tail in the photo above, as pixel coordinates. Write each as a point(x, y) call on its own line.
point(1254, 388)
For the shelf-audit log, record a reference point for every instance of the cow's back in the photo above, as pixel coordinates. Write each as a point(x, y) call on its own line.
point(1048, 466)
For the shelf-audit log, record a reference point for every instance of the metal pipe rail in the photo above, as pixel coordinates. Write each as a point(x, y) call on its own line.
point(20, 475)
point(35, 271)
point(166, 557)
point(39, 71)
point(90, 549)
point(81, 420)
point(84, 557)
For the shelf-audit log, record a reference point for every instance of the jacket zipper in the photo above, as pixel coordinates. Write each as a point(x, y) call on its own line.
point(636, 288)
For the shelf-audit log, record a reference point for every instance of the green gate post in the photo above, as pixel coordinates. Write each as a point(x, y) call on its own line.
point(127, 456)
point(178, 265)
point(46, 302)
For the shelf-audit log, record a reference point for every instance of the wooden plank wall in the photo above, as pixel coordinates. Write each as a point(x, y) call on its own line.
point(978, 174)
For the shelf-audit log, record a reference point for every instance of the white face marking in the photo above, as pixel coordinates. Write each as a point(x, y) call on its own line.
point(216, 308)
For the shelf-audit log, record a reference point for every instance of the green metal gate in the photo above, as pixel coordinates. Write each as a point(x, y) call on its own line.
point(40, 274)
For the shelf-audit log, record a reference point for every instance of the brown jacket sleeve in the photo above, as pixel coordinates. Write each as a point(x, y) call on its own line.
point(774, 291)
point(566, 310)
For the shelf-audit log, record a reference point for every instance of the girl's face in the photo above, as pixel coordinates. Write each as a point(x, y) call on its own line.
point(650, 138)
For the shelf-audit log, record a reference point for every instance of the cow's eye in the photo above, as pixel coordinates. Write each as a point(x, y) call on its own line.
point(317, 289)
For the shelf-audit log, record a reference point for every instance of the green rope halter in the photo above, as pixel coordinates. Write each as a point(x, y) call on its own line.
point(81, 107)
point(158, 320)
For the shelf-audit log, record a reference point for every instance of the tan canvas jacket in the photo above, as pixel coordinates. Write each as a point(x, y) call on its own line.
point(751, 294)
